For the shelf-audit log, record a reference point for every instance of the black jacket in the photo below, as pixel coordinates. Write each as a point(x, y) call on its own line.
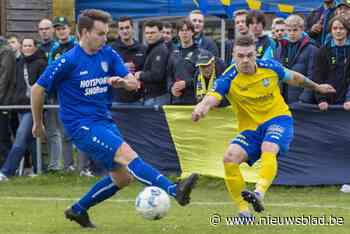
point(153, 75)
point(182, 66)
point(326, 63)
point(135, 54)
point(35, 64)
point(7, 73)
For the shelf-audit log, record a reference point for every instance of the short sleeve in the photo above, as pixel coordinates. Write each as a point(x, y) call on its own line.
point(54, 74)
point(222, 85)
point(118, 64)
point(283, 73)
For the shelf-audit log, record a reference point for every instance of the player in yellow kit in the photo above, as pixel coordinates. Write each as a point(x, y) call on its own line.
point(264, 120)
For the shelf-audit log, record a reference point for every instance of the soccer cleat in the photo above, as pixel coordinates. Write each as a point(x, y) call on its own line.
point(184, 189)
point(82, 219)
point(253, 199)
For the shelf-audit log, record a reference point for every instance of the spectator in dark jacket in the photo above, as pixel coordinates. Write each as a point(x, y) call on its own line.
point(153, 75)
point(332, 65)
point(28, 70)
point(133, 54)
point(317, 22)
point(297, 53)
point(46, 31)
point(7, 88)
point(182, 66)
point(203, 42)
point(167, 34)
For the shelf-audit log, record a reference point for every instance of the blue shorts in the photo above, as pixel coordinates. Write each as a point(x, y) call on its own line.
point(278, 130)
point(100, 141)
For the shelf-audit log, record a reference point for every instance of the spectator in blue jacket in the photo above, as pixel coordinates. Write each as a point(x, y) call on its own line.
point(297, 53)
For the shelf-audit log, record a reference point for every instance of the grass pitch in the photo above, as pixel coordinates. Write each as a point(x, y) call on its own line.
point(36, 205)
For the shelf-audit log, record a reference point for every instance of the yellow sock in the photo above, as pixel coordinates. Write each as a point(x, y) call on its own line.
point(235, 185)
point(267, 172)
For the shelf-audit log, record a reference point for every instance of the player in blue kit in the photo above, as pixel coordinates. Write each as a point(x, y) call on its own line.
point(83, 78)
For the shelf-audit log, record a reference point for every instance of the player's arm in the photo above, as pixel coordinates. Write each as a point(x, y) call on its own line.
point(37, 99)
point(299, 80)
point(129, 82)
point(202, 108)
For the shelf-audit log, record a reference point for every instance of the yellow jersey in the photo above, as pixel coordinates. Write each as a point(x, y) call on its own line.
point(255, 98)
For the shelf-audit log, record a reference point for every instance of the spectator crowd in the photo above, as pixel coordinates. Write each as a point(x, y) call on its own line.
point(176, 65)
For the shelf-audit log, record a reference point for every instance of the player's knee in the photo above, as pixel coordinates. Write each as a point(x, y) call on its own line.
point(125, 154)
point(235, 154)
point(269, 147)
point(122, 178)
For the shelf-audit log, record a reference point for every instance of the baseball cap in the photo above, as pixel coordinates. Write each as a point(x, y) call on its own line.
point(205, 58)
point(60, 21)
point(344, 3)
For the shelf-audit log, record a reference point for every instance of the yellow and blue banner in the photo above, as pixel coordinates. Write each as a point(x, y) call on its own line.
point(167, 138)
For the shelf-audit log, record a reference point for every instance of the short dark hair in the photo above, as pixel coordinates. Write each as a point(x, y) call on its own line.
point(125, 18)
point(167, 25)
point(260, 18)
point(154, 23)
point(181, 23)
point(87, 18)
point(244, 40)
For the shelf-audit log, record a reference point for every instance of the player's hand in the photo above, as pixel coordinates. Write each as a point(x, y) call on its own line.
point(199, 112)
point(347, 106)
point(129, 83)
point(323, 106)
point(325, 88)
point(38, 130)
point(116, 82)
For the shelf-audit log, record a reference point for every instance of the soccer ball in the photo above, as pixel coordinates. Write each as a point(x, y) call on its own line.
point(152, 203)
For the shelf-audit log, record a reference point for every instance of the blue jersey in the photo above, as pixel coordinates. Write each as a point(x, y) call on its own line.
point(81, 82)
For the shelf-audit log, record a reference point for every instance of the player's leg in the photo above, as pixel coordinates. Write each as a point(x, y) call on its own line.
point(234, 181)
point(102, 190)
point(268, 167)
point(266, 174)
point(99, 142)
point(147, 174)
point(278, 133)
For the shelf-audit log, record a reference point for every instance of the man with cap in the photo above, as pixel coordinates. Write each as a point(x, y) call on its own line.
point(343, 9)
point(64, 43)
point(210, 67)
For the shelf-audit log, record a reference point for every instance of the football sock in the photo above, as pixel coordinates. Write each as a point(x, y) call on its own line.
point(235, 185)
point(267, 172)
point(148, 175)
point(102, 190)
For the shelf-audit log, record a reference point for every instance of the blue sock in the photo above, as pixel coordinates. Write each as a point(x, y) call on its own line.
point(102, 190)
point(146, 174)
